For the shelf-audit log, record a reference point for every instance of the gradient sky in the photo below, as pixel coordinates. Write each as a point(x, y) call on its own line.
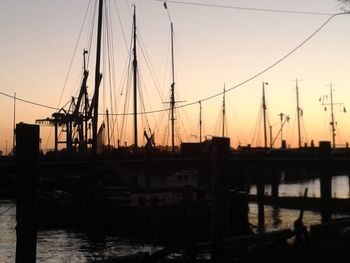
point(213, 46)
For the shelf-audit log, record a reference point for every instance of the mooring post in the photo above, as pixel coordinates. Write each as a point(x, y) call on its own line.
point(219, 154)
point(260, 187)
point(325, 180)
point(27, 160)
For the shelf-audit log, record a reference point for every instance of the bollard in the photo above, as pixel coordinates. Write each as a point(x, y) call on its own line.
point(27, 160)
point(325, 180)
point(260, 187)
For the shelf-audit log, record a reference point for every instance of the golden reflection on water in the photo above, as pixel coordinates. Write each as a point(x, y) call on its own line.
point(62, 245)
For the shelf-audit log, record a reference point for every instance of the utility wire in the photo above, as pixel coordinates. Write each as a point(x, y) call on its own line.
point(246, 8)
point(217, 94)
point(29, 102)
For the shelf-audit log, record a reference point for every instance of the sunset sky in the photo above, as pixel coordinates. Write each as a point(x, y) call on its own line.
point(214, 46)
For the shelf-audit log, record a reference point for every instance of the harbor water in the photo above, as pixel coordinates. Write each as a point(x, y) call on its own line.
point(67, 245)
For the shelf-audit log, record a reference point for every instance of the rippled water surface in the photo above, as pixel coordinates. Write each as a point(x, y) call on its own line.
point(66, 245)
point(61, 245)
point(340, 188)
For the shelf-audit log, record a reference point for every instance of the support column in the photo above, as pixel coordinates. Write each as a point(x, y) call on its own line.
point(325, 180)
point(260, 187)
point(219, 154)
point(27, 161)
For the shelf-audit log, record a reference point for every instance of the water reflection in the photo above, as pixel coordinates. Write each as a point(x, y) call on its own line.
point(280, 218)
point(340, 188)
point(276, 218)
point(62, 245)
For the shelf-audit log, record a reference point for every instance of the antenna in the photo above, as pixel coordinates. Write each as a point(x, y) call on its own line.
point(333, 123)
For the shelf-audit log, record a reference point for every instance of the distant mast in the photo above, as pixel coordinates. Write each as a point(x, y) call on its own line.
point(98, 77)
point(332, 116)
point(264, 113)
point(14, 123)
point(298, 113)
point(135, 79)
point(172, 99)
point(200, 121)
point(223, 112)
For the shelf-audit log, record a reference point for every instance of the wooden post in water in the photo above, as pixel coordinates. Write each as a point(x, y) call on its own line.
point(219, 154)
point(27, 160)
point(260, 187)
point(325, 180)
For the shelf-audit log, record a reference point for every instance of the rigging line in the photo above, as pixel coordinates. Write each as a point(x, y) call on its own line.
point(70, 66)
point(257, 74)
point(247, 8)
point(236, 118)
point(91, 34)
point(112, 74)
point(121, 26)
point(166, 8)
point(141, 89)
point(232, 88)
point(75, 51)
point(255, 125)
point(179, 114)
point(150, 67)
point(127, 99)
point(29, 102)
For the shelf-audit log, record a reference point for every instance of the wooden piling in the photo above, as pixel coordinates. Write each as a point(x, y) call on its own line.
point(325, 180)
point(260, 187)
point(27, 160)
point(219, 154)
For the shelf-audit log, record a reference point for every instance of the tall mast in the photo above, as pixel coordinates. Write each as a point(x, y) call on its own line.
point(98, 77)
point(281, 130)
point(223, 113)
point(298, 113)
point(108, 134)
point(135, 81)
point(86, 109)
point(264, 113)
point(172, 99)
point(332, 116)
point(14, 123)
point(200, 121)
point(271, 137)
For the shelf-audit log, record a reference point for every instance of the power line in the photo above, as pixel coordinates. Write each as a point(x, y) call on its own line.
point(247, 8)
point(29, 102)
point(212, 96)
